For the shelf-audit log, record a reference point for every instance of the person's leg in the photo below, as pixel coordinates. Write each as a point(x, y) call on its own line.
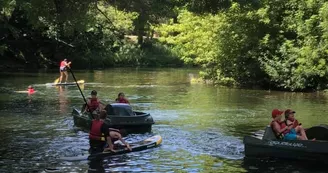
point(61, 77)
point(66, 74)
point(300, 137)
point(301, 131)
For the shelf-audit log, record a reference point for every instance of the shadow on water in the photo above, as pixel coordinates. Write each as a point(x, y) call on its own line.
point(271, 165)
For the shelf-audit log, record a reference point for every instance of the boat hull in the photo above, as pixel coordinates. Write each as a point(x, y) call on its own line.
point(126, 124)
point(270, 146)
point(303, 150)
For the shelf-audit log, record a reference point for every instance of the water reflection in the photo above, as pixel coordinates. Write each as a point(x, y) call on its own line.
point(63, 101)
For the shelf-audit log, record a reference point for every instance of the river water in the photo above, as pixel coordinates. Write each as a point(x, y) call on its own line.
point(202, 126)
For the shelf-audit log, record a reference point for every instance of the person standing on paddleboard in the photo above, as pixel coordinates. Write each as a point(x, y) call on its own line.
point(63, 70)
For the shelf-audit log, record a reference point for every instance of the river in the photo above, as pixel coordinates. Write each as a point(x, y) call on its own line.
point(202, 126)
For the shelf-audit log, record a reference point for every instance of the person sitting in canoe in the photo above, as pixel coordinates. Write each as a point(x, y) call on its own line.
point(284, 131)
point(290, 119)
point(63, 70)
point(93, 103)
point(121, 98)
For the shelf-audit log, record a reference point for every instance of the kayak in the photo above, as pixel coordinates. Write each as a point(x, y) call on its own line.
point(270, 146)
point(151, 142)
point(65, 84)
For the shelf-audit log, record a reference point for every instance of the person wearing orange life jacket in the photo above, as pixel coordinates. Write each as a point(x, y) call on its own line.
point(30, 89)
point(63, 70)
point(98, 133)
point(291, 121)
point(93, 103)
point(121, 99)
point(278, 126)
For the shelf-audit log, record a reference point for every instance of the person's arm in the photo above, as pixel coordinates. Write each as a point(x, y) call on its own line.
point(123, 141)
point(289, 123)
point(67, 64)
point(86, 106)
point(277, 129)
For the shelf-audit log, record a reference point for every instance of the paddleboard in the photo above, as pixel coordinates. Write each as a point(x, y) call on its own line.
point(26, 92)
point(151, 142)
point(65, 84)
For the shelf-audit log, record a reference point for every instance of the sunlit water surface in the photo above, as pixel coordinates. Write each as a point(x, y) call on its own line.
point(202, 126)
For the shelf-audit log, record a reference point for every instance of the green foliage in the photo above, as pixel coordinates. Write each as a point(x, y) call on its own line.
point(278, 44)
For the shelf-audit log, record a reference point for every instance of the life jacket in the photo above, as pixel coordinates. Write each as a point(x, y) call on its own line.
point(295, 121)
point(122, 100)
point(93, 105)
point(62, 64)
point(282, 125)
point(30, 90)
point(95, 132)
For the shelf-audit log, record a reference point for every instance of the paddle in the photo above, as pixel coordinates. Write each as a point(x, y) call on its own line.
point(78, 86)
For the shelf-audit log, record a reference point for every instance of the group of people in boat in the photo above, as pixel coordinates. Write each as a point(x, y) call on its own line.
point(101, 137)
point(94, 104)
point(289, 128)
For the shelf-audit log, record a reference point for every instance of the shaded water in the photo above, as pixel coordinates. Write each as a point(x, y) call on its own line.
point(202, 126)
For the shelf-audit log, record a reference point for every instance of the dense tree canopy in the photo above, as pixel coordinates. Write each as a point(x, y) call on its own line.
point(279, 44)
point(275, 44)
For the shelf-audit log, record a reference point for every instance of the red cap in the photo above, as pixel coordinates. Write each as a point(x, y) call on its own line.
point(276, 112)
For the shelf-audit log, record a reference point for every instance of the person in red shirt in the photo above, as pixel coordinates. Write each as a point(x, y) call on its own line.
point(63, 70)
point(30, 89)
point(121, 99)
point(94, 103)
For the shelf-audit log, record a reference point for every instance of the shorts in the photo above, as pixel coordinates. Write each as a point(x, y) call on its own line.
point(292, 135)
point(62, 69)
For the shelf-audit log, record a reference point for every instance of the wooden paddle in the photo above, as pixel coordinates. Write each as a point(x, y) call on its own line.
point(78, 86)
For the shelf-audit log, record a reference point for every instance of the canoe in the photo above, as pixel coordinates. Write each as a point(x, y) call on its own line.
point(270, 146)
point(120, 116)
point(151, 142)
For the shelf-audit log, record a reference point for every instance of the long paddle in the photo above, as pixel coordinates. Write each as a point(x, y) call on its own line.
point(80, 90)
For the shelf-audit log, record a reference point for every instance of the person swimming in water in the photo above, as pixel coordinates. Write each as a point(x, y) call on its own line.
point(30, 89)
